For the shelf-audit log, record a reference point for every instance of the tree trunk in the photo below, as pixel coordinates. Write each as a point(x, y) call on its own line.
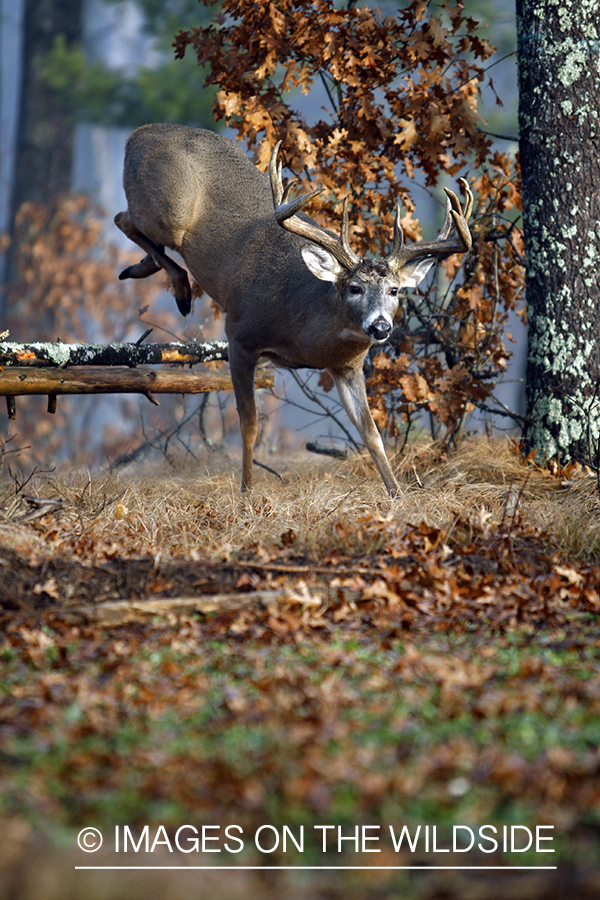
point(46, 124)
point(559, 118)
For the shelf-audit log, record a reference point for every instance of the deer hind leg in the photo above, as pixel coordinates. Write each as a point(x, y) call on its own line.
point(350, 383)
point(242, 367)
point(155, 259)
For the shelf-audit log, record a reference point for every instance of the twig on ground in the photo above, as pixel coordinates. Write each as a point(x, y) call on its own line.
point(269, 469)
point(313, 447)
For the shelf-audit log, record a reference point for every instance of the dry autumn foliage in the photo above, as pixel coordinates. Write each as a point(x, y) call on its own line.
point(401, 95)
point(66, 274)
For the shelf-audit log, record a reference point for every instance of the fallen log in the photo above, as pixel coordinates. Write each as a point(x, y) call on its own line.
point(19, 381)
point(121, 612)
point(61, 354)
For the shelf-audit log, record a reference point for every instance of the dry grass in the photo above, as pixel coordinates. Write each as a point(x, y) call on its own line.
point(195, 511)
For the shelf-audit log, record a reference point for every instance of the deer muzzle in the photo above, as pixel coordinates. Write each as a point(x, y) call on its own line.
point(379, 329)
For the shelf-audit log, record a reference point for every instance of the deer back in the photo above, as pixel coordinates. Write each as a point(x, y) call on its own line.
point(198, 193)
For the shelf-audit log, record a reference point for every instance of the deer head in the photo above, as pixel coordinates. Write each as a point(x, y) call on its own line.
point(332, 259)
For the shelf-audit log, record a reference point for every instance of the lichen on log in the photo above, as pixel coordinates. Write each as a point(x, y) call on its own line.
point(63, 355)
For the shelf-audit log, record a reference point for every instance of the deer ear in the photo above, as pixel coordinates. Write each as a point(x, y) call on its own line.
point(321, 263)
point(412, 274)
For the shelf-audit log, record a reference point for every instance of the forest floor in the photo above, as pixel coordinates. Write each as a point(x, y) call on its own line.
point(312, 654)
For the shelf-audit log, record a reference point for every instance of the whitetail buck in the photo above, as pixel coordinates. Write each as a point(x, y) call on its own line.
point(291, 291)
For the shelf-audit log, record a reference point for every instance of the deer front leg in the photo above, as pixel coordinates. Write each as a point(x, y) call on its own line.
point(350, 383)
point(242, 367)
point(155, 259)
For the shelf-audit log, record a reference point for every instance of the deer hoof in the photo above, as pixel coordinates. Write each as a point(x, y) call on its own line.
point(146, 267)
point(183, 294)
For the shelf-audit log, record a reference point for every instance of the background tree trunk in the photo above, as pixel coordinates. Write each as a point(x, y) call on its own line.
point(559, 117)
point(46, 124)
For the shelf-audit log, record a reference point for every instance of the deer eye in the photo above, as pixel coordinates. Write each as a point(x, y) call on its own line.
point(393, 291)
point(355, 289)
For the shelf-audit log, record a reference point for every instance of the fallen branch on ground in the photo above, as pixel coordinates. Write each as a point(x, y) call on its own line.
point(314, 447)
point(121, 612)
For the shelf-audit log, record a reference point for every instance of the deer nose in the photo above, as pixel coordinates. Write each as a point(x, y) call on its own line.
point(379, 329)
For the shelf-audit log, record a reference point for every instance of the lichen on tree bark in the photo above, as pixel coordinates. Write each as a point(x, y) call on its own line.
point(559, 112)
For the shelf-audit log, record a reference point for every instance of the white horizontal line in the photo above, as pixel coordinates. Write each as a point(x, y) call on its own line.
point(335, 868)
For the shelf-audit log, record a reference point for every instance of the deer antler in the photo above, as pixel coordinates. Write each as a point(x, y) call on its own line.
point(285, 213)
point(454, 237)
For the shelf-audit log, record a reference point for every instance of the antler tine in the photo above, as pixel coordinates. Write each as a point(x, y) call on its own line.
point(285, 213)
point(469, 198)
point(344, 236)
point(399, 240)
point(448, 220)
point(288, 189)
point(455, 236)
point(283, 209)
point(275, 171)
point(455, 215)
